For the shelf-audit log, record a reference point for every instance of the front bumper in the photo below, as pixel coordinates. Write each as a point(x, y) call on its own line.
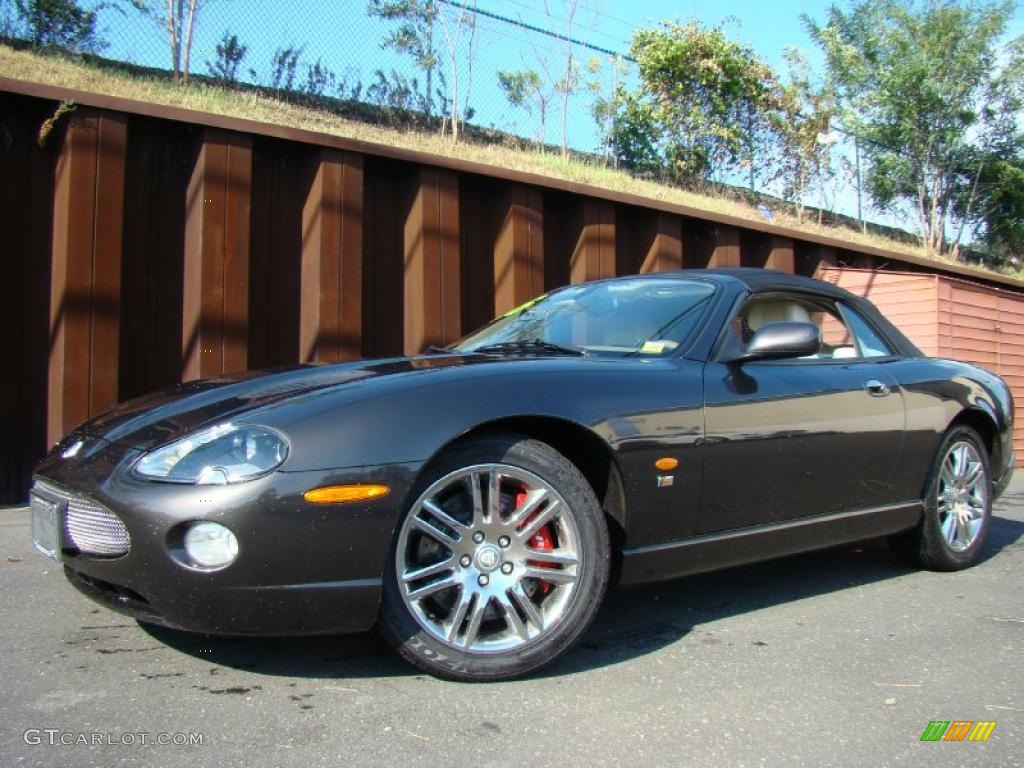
point(301, 569)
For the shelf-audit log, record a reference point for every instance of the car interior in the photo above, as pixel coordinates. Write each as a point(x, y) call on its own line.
point(836, 340)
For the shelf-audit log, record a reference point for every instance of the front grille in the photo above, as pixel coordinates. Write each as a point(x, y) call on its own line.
point(88, 526)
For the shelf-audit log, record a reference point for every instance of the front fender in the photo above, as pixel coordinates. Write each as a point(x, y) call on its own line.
point(409, 420)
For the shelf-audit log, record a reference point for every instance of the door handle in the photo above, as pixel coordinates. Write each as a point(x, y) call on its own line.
point(876, 388)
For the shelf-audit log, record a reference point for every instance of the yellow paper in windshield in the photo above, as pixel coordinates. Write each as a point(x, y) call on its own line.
point(525, 306)
point(654, 347)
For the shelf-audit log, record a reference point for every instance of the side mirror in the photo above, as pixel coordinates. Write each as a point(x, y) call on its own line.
point(777, 341)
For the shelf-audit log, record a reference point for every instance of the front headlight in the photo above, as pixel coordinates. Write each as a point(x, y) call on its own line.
point(226, 453)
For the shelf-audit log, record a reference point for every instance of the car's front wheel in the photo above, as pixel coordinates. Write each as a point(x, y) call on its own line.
point(957, 507)
point(500, 563)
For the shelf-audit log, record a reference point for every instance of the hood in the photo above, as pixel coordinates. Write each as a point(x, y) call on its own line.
point(153, 420)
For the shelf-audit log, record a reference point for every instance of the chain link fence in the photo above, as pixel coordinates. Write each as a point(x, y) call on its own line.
point(519, 71)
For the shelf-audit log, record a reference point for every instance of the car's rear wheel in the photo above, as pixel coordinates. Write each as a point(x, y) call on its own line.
point(500, 563)
point(957, 507)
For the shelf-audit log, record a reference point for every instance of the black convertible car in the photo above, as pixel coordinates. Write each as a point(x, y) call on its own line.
point(475, 502)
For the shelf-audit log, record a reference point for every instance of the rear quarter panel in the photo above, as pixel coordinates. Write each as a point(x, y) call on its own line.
point(936, 392)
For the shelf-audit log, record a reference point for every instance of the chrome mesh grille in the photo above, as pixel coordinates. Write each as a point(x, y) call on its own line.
point(88, 526)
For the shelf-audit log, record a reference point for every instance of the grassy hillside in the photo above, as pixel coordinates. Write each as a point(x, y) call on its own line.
point(157, 88)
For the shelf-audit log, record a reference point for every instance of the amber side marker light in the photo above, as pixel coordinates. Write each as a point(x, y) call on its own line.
point(666, 464)
point(338, 494)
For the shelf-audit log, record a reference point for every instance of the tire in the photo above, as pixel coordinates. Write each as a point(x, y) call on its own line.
point(462, 598)
point(939, 542)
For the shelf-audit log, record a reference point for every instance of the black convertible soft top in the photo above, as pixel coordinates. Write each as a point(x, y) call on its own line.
point(764, 280)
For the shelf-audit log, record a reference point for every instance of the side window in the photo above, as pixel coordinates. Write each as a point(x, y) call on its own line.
point(837, 342)
point(871, 344)
point(836, 339)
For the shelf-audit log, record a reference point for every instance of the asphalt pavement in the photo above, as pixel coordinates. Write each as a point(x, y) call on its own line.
point(840, 657)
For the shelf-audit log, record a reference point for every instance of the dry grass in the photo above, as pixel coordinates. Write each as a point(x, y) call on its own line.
point(204, 97)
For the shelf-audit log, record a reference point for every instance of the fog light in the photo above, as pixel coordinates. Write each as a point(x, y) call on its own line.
point(211, 545)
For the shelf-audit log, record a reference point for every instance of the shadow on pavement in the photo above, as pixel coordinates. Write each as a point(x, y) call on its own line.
point(322, 656)
point(639, 620)
point(632, 623)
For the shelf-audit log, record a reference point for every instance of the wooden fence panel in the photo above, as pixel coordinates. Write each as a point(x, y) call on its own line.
point(647, 241)
point(215, 300)
point(760, 250)
point(710, 245)
point(331, 292)
point(518, 248)
point(279, 179)
point(85, 286)
point(593, 255)
point(153, 254)
point(432, 301)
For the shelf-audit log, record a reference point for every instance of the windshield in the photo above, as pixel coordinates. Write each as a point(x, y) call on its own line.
point(616, 317)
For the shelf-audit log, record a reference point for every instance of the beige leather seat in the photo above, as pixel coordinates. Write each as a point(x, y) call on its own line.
point(764, 312)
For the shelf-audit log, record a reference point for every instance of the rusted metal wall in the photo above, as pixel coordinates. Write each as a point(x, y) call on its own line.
point(948, 317)
point(144, 246)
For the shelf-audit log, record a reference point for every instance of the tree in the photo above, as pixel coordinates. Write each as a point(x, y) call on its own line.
point(568, 80)
point(230, 54)
point(413, 36)
point(566, 77)
point(178, 19)
point(523, 89)
point(349, 85)
point(803, 125)
point(703, 107)
point(461, 19)
point(604, 106)
point(396, 93)
point(929, 93)
point(1000, 207)
point(61, 23)
point(7, 20)
point(319, 80)
point(636, 134)
point(283, 68)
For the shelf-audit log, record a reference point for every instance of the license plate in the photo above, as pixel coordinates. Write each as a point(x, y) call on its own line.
point(45, 526)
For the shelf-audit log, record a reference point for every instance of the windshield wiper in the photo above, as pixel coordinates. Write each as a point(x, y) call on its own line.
point(529, 347)
point(433, 349)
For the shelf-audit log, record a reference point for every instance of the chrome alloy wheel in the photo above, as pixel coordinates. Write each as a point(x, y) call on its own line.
point(488, 558)
point(962, 495)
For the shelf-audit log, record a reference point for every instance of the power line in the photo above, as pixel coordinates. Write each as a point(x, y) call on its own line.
point(539, 30)
point(499, 32)
point(595, 13)
point(606, 15)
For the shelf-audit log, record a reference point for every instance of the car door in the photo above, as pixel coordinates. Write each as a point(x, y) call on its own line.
point(791, 438)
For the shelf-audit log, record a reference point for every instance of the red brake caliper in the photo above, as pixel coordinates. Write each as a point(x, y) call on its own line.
point(542, 540)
